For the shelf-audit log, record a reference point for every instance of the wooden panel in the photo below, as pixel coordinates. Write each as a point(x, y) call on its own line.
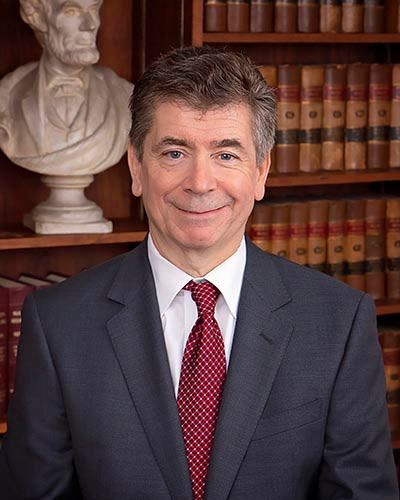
point(324, 178)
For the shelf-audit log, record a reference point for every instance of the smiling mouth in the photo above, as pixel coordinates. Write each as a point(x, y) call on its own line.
point(205, 212)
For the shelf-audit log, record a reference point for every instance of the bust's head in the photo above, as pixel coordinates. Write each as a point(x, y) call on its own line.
point(66, 29)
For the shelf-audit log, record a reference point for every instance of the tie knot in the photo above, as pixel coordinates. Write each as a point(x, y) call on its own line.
point(205, 295)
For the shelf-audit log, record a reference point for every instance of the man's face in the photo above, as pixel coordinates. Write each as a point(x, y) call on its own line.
point(72, 30)
point(198, 177)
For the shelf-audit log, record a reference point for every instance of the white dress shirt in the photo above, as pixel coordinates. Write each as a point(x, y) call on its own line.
point(178, 311)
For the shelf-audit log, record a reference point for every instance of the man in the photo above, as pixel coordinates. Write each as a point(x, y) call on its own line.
point(62, 115)
point(198, 366)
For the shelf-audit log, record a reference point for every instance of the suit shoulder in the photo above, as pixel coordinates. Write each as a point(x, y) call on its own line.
point(11, 81)
point(111, 78)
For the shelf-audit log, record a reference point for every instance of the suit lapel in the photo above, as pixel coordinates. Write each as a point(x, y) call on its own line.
point(138, 342)
point(261, 337)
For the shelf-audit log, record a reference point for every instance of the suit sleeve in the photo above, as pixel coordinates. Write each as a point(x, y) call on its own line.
point(37, 449)
point(358, 459)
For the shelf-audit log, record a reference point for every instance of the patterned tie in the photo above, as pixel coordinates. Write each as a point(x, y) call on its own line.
point(201, 383)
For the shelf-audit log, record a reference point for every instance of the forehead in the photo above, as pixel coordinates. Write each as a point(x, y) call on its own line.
point(58, 4)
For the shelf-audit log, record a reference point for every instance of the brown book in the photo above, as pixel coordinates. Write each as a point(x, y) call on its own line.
point(312, 80)
point(380, 82)
point(374, 16)
point(375, 246)
point(352, 16)
point(298, 232)
point(270, 74)
point(280, 220)
point(393, 247)
point(261, 16)
point(355, 148)
point(285, 16)
point(389, 338)
point(288, 112)
point(238, 16)
point(317, 232)
point(333, 120)
point(308, 16)
point(394, 134)
point(3, 352)
point(260, 228)
point(330, 16)
point(355, 243)
point(215, 15)
point(336, 238)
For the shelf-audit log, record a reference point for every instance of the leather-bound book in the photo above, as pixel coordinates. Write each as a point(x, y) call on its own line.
point(352, 16)
point(280, 220)
point(298, 242)
point(308, 16)
point(312, 80)
point(288, 111)
point(3, 352)
point(261, 16)
point(270, 74)
point(285, 16)
point(330, 16)
point(336, 238)
point(317, 234)
point(215, 15)
point(389, 338)
point(394, 134)
point(260, 228)
point(238, 16)
point(375, 246)
point(355, 148)
point(393, 247)
point(333, 120)
point(380, 82)
point(355, 242)
point(374, 16)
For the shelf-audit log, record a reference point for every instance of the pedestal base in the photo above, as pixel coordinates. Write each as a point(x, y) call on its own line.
point(102, 226)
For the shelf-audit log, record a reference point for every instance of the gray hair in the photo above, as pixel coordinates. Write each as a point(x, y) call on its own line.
point(204, 78)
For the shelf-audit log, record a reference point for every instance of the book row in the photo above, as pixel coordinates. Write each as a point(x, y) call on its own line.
point(389, 338)
point(356, 240)
point(12, 296)
point(291, 16)
point(336, 117)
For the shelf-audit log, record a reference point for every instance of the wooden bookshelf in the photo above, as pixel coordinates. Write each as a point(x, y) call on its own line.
point(3, 427)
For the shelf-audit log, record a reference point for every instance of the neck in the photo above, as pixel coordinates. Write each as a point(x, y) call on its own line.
point(195, 262)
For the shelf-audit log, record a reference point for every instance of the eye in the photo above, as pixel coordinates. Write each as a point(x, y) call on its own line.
point(174, 155)
point(71, 11)
point(227, 156)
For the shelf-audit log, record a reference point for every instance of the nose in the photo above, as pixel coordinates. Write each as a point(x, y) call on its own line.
point(88, 22)
point(201, 177)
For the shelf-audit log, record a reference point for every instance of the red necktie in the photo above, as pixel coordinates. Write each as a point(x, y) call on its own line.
point(201, 383)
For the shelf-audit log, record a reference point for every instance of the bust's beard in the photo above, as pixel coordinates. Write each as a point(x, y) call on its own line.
point(84, 56)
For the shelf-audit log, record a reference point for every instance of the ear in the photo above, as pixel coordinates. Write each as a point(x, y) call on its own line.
point(135, 168)
point(35, 19)
point(262, 174)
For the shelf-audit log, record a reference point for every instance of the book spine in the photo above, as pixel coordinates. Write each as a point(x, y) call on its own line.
point(288, 111)
point(355, 243)
point(352, 16)
point(355, 151)
point(280, 220)
point(334, 112)
point(375, 247)
point(393, 247)
point(285, 16)
point(215, 15)
point(298, 234)
point(260, 229)
point(270, 74)
point(331, 16)
point(394, 134)
point(261, 16)
point(3, 351)
point(317, 234)
point(312, 80)
point(308, 16)
point(380, 80)
point(238, 16)
point(336, 239)
point(374, 16)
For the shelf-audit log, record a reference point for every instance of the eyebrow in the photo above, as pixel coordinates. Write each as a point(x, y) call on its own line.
point(175, 141)
point(227, 143)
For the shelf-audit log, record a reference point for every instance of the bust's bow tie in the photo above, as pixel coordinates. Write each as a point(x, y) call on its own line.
point(65, 86)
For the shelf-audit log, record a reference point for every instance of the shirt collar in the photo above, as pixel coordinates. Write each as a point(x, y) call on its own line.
point(170, 280)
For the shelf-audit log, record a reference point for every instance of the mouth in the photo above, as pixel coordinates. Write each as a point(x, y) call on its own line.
point(201, 212)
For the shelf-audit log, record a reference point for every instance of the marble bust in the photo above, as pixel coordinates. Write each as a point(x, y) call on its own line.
point(63, 116)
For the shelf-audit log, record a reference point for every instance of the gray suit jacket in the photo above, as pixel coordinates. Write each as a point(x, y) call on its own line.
point(303, 414)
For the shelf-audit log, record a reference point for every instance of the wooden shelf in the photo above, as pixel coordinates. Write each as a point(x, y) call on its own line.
point(3, 427)
point(387, 306)
point(125, 231)
point(325, 38)
point(323, 178)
